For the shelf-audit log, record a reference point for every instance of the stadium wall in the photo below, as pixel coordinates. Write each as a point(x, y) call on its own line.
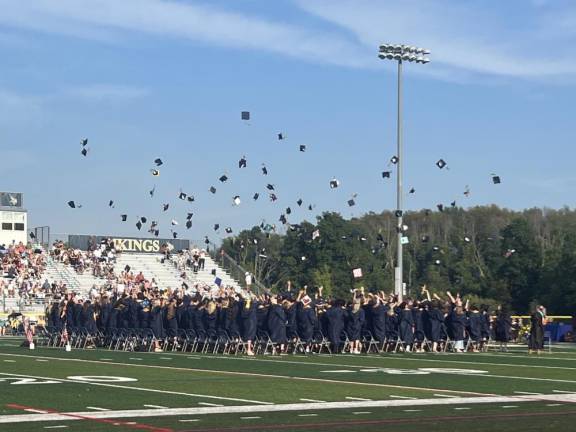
point(127, 244)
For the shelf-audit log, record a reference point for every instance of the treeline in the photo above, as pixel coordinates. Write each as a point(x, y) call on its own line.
point(489, 254)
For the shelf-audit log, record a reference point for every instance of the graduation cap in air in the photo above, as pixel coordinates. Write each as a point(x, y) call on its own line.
point(441, 163)
point(270, 186)
point(467, 239)
point(411, 191)
point(245, 115)
point(174, 222)
point(111, 203)
point(394, 160)
point(273, 197)
point(188, 224)
point(386, 174)
point(351, 203)
point(216, 227)
point(157, 233)
point(467, 191)
point(155, 172)
point(143, 219)
point(158, 162)
point(228, 230)
point(174, 234)
point(310, 207)
point(152, 191)
point(165, 207)
point(124, 217)
point(73, 205)
point(288, 210)
point(283, 219)
point(212, 189)
point(453, 203)
point(236, 200)
point(139, 225)
point(398, 213)
point(302, 148)
point(299, 202)
point(189, 216)
point(242, 162)
point(334, 183)
point(280, 136)
point(264, 170)
point(496, 179)
point(84, 151)
point(32, 235)
point(190, 198)
point(440, 207)
point(84, 142)
point(182, 196)
point(256, 195)
point(223, 178)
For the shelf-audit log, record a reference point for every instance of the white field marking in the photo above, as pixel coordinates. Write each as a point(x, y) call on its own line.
point(142, 389)
point(361, 412)
point(41, 360)
point(307, 415)
point(189, 420)
point(357, 398)
point(527, 393)
point(412, 410)
point(155, 406)
point(97, 408)
point(35, 411)
point(55, 427)
point(510, 406)
point(312, 400)
point(134, 358)
point(462, 408)
point(298, 407)
point(10, 361)
point(250, 418)
point(401, 397)
point(324, 380)
point(106, 359)
point(209, 404)
point(552, 405)
point(563, 391)
point(166, 358)
point(444, 396)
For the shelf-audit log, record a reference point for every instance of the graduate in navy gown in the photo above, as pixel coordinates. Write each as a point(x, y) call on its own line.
point(355, 318)
point(249, 322)
point(335, 323)
point(502, 327)
point(277, 324)
point(406, 325)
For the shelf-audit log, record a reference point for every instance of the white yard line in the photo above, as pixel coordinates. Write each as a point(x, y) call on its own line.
point(563, 391)
point(462, 408)
point(97, 408)
point(401, 397)
point(55, 427)
point(362, 412)
point(357, 398)
point(510, 406)
point(295, 407)
point(141, 389)
point(41, 360)
point(209, 404)
point(155, 406)
point(312, 400)
point(444, 396)
point(553, 405)
point(307, 415)
point(412, 410)
point(527, 393)
point(250, 418)
point(11, 361)
point(288, 377)
point(189, 420)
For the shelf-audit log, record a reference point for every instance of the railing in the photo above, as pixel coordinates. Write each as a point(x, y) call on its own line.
point(236, 271)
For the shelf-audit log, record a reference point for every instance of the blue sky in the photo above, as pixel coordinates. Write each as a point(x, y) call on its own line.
point(143, 79)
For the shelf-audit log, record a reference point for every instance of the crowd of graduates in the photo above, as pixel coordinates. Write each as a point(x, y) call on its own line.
point(293, 317)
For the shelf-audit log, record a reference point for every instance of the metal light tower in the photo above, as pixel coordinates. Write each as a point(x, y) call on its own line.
point(401, 53)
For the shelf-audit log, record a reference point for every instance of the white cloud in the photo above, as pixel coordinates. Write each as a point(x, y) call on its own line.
point(461, 35)
point(106, 92)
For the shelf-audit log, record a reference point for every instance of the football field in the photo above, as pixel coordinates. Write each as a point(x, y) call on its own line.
point(101, 390)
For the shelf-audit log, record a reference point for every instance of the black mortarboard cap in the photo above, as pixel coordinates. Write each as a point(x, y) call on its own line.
point(188, 224)
point(264, 170)
point(310, 207)
point(255, 197)
point(165, 207)
point(273, 197)
point(84, 141)
point(143, 219)
point(152, 191)
point(110, 203)
point(124, 217)
point(72, 204)
point(228, 230)
point(242, 162)
point(189, 216)
point(245, 115)
point(212, 189)
point(216, 227)
point(351, 202)
point(299, 202)
point(441, 163)
point(155, 172)
point(182, 195)
point(440, 207)
point(288, 210)
point(158, 162)
point(280, 136)
point(139, 225)
point(386, 174)
point(84, 151)
point(302, 148)
point(32, 235)
point(174, 234)
point(270, 186)
point(190, 198)
point(223, 178)
point(398, 213)
point(496, 179)
point(334, 183)
point(412, 190)
point(283, 219)
point(157, 233)
point(453, 203)
point(394, 160)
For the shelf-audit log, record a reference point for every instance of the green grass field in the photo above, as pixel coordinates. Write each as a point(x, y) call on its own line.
point(100, 390)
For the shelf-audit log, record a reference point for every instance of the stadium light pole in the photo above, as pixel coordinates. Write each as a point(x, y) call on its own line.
point(400, 54)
